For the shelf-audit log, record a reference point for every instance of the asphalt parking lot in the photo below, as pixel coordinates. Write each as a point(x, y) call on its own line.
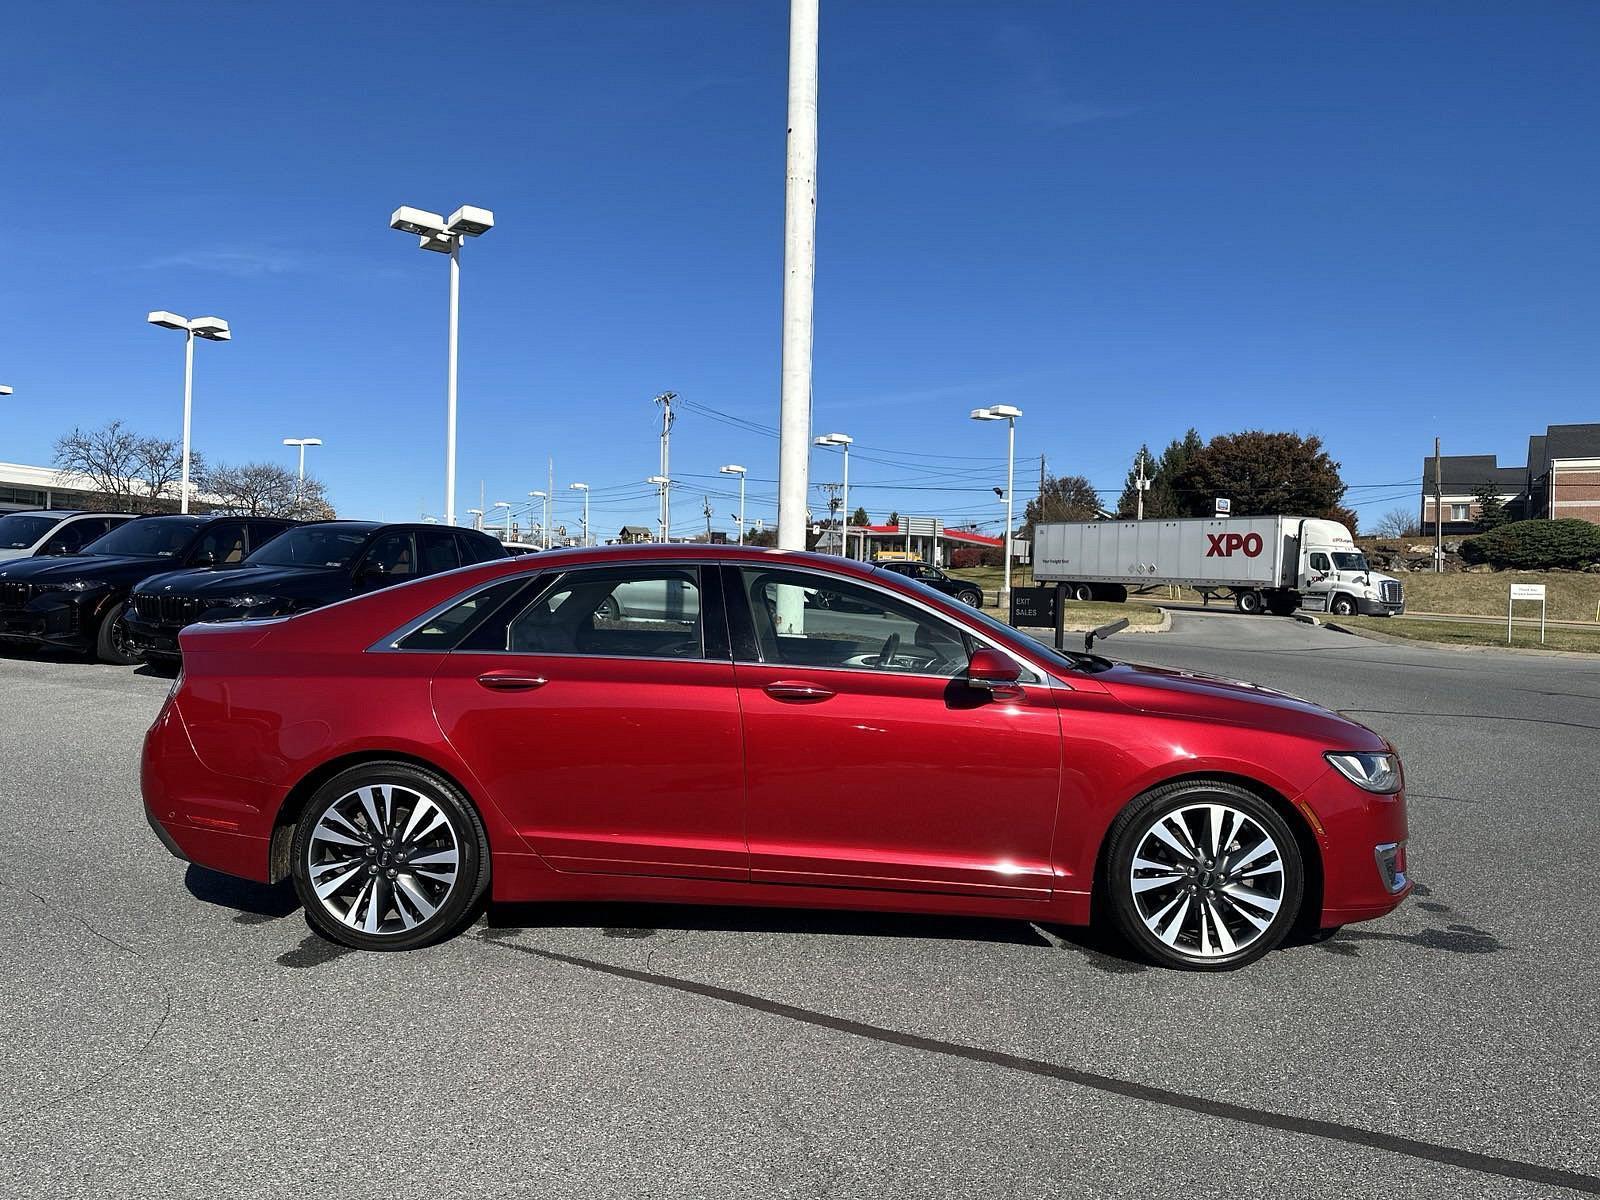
point(171, 1033)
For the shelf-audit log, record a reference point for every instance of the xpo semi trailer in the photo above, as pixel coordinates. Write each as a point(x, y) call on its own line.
point(1271, 564)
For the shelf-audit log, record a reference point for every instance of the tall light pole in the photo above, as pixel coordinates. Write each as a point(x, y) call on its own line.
point(799, 275)
point(584, 488)
point(477, 517)
point(544, 517)
point(843, 442)
point(662, 484)
point(444, 236)
point(505, 529)
point(300, 487)
point(736, 469)
point(1009, 414)
point(212, 329)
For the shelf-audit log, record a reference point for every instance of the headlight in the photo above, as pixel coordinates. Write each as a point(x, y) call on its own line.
point(1371, 772)
point(72, 585)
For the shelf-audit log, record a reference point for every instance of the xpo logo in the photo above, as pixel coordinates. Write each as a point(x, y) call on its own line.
point(1224, 544)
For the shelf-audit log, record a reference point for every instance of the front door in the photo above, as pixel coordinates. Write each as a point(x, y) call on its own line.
point(869, 761)
point(601, 717)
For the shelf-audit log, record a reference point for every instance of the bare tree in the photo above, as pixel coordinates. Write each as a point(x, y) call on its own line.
point(266, 490)
point(108, 457)
point(158, 465)
point(1397, 523)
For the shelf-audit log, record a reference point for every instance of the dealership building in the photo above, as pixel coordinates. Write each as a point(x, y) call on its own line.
point(23, 487)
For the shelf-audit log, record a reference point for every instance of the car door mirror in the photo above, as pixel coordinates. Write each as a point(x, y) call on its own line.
point(204, 558)
point(990, 671)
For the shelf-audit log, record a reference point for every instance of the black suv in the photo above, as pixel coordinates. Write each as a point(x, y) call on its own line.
point(963, 590)
point(75, 603)
point(306, 568)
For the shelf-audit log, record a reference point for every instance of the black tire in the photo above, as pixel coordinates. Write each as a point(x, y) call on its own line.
point(455, 907)
point(1342, 606)
point(1280, 605)
point(1111, 593)
point(1082, 591)
point(971, 597)
point(1202, 948)
point(111, 643)
point(1248, 602)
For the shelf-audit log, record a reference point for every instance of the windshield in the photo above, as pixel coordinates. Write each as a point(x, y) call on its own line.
point(21, 530)
point(312, 546)
point(1350, 562)
point(153, 537)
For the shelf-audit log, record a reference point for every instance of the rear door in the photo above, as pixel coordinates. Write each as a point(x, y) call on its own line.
point(610, 735)
point(870, 763)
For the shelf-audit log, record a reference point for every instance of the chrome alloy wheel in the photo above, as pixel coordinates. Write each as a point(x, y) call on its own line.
point(1207, 880)
point(383, 859)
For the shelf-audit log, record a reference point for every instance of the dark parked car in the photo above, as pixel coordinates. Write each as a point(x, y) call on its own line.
point(307, 568)
point(53, 531)
point(75, 603)
point(963, 590)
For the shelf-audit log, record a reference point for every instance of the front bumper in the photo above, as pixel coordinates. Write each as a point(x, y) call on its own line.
point(64, 620)
point(1377, 608)
point(151, 638)
point(1363, 842)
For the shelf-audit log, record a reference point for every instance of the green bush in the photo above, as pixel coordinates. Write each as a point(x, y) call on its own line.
point(1536, 545)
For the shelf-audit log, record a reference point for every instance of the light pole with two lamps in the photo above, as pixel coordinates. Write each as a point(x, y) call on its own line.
point(212, 329)
point(1009, 414)
point(445, 237)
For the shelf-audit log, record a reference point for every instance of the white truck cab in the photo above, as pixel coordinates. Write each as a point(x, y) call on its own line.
point(1335, 576)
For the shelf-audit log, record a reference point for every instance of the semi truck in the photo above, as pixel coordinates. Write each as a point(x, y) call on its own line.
point(1266, 564)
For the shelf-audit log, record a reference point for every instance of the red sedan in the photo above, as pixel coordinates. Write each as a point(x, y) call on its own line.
point(737, 726)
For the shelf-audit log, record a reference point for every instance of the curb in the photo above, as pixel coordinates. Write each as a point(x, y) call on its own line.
point(1526, 651)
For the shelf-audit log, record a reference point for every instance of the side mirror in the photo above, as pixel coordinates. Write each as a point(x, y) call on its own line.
point(205, 559)
point(990, 671)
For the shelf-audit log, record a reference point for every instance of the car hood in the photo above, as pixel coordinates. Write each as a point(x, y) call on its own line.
point(290, 582)
point(115, 569)
point(1206, 697)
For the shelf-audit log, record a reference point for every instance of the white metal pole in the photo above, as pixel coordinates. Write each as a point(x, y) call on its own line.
point(188, 405)
point(741, 508)
point(1005, 549)
point(302, 466)
point(450, 386)
point(799, 274)
point(549, 497)
point(844, 523)
point(585, 516)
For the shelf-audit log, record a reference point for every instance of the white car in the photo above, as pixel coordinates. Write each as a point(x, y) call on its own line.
point(54, 531)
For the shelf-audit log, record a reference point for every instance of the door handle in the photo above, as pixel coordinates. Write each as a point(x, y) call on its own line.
point(500, 681)
point(785, 690)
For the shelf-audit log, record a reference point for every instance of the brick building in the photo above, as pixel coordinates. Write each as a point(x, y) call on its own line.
point(1560, 479)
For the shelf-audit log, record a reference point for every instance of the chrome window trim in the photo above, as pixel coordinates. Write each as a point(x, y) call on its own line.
point(388, 643)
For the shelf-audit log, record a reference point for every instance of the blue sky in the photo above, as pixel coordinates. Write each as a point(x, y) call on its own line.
point(1373, 222)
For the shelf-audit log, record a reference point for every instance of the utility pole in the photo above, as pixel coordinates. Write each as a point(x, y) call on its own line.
point(799, 276)
point(705, 507)
point(1438, 511)
point(549, 497)
point(665, 400)
point(834, 504)
point(1142, 485)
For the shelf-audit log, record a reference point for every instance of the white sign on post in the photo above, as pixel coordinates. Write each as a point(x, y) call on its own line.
point(1525, 591)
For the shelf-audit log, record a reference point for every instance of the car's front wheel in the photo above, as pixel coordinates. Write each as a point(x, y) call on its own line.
point(111, 644)
point(1343, 606)
point(387, 856)
point(1203, 875)
point(971, 597)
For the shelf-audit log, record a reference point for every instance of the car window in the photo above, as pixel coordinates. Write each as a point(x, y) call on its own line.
point(221, 545)
point(391, 556)
point(262, 532)
point(626, 612)
point(831, 623)
point(148, 537)
point(1319, 562)
point(437, 550)
point(74, 536)
point(21, 530)
point(446, 630)
point(313, 546)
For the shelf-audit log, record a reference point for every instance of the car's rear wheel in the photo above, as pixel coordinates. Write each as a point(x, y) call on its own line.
point(1203, 875)
point(387, 856)
point(111, 644)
